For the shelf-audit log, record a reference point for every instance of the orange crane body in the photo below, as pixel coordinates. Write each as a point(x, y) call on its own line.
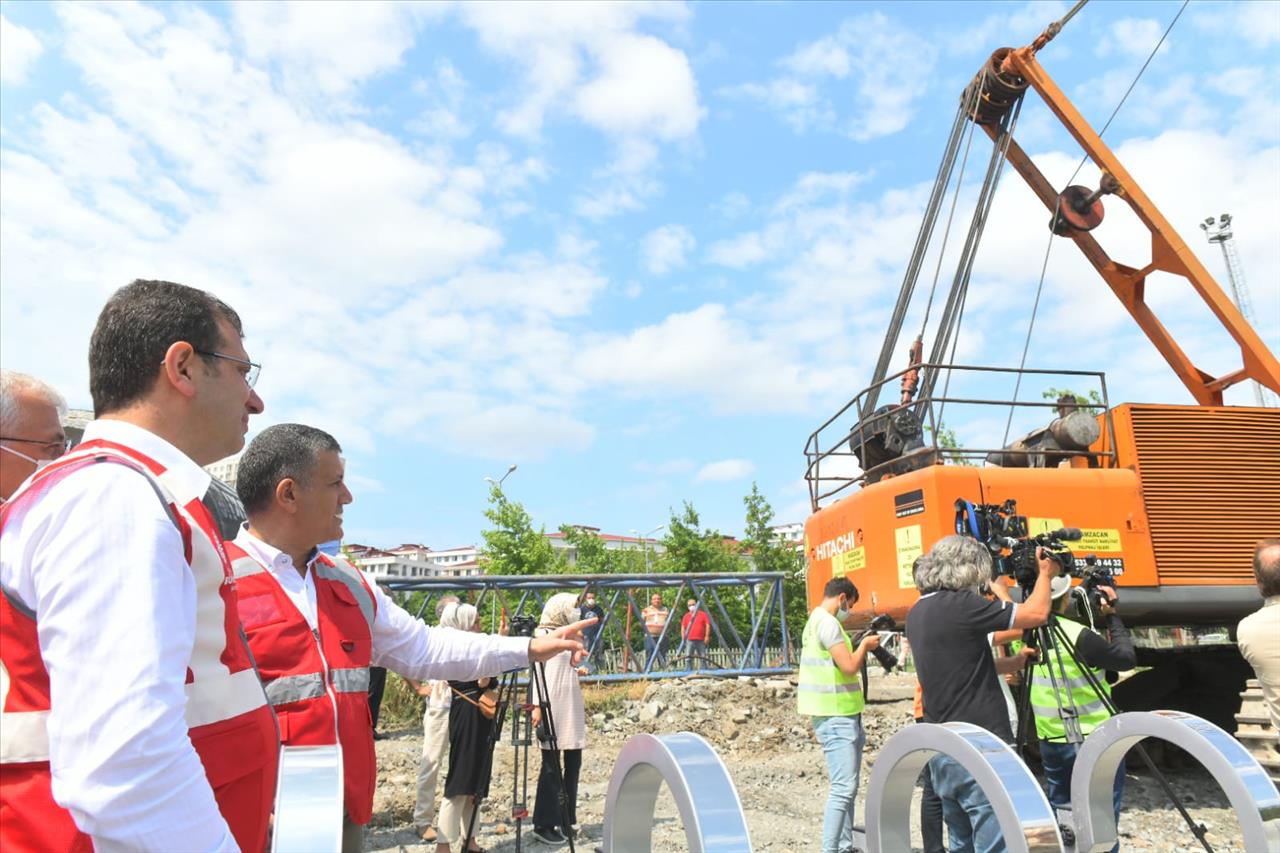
point(1176, 495)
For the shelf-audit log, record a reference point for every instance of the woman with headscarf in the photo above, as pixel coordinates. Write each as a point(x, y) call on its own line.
point(469, 756)
point(552, 823)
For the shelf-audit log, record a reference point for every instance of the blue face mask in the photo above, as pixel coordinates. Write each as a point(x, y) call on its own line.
point(331, 548)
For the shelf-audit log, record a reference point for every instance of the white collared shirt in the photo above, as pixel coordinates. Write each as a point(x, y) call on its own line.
point(100, 562)
point(401, 643)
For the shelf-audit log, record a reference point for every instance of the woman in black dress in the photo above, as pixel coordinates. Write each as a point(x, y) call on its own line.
point(469, 757)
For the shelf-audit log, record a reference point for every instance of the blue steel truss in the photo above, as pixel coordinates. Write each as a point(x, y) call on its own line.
point(740, 648)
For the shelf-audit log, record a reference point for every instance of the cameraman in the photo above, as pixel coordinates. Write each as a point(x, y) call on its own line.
point(948, 630)
point(1095, 653)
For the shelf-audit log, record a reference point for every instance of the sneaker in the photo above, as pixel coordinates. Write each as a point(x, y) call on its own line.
point(548, 836)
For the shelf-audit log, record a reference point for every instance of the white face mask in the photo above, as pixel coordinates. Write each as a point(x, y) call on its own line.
point(39, 463)
point(692, 607)
point(841, 610)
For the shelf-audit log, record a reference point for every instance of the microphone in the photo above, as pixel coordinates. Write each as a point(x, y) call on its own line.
point(1070, 534)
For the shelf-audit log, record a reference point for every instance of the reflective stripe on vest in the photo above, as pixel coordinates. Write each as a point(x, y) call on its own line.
point(294, 688)
point(350, 680)
point(823, 689)
point(1072, 687)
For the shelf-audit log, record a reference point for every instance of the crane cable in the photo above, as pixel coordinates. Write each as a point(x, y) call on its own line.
point(1057, 208)
point(953, 312)
point(940, 183)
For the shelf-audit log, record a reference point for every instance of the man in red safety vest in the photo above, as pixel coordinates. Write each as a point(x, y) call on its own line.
point(315, 623)
point(131, 715)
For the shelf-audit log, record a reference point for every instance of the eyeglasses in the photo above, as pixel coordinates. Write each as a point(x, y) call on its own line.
point(250, 376)
point(57, 447)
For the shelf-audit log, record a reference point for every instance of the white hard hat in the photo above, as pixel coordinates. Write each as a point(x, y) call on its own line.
point(1060, 586)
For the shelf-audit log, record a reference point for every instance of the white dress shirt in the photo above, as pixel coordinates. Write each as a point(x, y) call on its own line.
point(100, 562)
point(401, 643)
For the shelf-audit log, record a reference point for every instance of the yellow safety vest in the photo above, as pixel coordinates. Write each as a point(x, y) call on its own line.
point(1089, 706)
point(824, 690)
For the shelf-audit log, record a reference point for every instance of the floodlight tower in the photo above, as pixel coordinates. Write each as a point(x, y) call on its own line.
point(1219, 231)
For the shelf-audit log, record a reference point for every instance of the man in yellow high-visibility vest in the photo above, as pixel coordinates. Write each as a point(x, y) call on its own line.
point(830, 692)
point(1059, 684)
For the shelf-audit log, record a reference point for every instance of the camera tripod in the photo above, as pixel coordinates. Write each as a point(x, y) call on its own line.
point(522, 735)
point(1052, 636)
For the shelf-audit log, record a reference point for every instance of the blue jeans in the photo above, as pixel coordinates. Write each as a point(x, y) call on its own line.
point(842, 739)
point(1059, 759)
point(971, 821)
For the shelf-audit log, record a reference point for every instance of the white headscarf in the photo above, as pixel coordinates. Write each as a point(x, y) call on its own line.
point(559, 610)
point(460, 616)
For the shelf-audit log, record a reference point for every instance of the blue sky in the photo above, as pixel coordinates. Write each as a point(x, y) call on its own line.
point(641, 250)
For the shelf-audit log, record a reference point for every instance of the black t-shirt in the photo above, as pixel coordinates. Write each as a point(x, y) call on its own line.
point(948, 635)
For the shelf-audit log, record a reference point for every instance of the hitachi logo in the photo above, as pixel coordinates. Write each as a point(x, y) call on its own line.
point(843, 542)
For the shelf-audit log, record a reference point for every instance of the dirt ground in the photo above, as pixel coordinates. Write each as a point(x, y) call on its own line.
point(775, 763)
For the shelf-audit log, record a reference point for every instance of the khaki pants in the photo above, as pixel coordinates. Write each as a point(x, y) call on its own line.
point(455, 817)
point(435, 745)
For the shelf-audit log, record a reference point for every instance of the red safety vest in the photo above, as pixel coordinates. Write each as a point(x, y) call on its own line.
point(318, 681)
point(229, 721)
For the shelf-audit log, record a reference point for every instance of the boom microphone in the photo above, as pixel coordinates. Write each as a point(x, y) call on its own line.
point(1068, 534)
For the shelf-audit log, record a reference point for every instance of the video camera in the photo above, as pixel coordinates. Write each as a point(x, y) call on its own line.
point(1095, 576)
point(1001, 529)
point(882, 623)
point(523, 626)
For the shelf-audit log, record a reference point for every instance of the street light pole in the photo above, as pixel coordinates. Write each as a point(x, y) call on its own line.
point(498, 482)
point(646, 545)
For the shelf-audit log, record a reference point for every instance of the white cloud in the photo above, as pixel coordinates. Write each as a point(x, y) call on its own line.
point(1132, 37)
point(863, 59)
point(644, 87)
point(328, 48)
point(725, 471)
point(19, 50)
point(666, 248)
point(586, 57)
point(1257, 22)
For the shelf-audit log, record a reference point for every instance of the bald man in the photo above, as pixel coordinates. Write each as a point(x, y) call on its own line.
point(31, 434)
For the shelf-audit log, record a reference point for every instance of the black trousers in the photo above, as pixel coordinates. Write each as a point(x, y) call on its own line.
point(930, 816)
point(377, 684)
point(546, 808)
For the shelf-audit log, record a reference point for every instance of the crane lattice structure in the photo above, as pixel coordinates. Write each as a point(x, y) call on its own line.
point(1219, 231)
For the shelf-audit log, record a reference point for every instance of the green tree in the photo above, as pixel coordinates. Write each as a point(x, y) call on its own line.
point(949, 443)
point(512, 546)
point(691, 549)
point(593, 557)
point(1091, 404)
point(769, 552)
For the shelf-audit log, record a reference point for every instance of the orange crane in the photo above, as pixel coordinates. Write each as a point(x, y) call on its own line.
point(1174, 496)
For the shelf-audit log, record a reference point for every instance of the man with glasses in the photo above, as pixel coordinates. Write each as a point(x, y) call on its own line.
point(31, 433)
point(133, 718)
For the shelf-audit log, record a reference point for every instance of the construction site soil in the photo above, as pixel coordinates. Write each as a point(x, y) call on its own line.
point(774, 760)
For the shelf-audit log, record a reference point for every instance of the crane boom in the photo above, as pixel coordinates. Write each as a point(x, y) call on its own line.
point(1169, 253)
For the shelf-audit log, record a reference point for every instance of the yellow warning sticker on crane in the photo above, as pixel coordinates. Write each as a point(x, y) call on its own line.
point(1091, 541)
point(910, 546)
point(849, 561)
point(1096, 540)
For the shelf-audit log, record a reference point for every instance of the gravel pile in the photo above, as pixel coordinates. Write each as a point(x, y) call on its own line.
point(775, 763)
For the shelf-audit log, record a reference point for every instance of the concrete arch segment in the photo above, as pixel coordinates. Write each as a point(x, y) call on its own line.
point(1026, 820)
point(1253, 796)
point(700, 785)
